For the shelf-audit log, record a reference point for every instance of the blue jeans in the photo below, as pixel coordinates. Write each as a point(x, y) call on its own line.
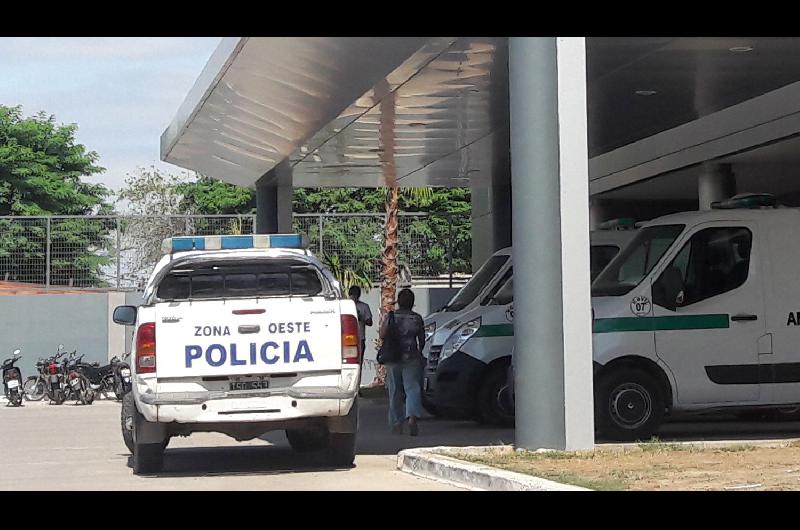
point(400, 377)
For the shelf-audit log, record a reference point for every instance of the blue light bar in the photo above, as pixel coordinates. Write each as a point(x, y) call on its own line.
point(233, 242)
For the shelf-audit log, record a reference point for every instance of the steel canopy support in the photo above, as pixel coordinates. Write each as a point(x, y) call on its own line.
point(552, 317)
point(274, 201)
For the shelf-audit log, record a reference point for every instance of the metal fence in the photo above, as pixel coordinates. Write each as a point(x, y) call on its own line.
point(120, 251)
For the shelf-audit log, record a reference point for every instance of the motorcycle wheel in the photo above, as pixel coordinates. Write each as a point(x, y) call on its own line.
point(119, 391)
point(34, 389)
point(59, 398)
point(16, 398)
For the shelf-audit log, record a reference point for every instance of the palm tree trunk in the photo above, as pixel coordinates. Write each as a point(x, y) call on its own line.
point(389, 259)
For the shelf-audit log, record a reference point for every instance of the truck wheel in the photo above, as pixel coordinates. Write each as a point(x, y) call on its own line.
point(342, 448)
point(629, 405)
point(148, 458)
point(490, 408)
point(126, 420)
point(307, 440)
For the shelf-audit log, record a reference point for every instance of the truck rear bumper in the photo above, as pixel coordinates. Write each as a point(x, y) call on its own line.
point(201, 407)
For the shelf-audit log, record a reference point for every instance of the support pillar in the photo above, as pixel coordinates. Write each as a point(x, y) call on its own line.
point(598, 212)
point(274, 201)
point(550, 179)
point(716, 183)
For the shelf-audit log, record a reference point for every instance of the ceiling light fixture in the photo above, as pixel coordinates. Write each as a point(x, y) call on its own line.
point(741, 49)
point(646, 92)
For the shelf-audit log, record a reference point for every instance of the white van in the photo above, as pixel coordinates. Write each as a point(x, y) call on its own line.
point(468, 357)
point(700, 312)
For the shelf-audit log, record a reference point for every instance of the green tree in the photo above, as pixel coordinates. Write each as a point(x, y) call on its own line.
point(41, 167)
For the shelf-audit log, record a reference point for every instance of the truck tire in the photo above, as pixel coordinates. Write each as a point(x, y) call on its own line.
point(148, 458)
point(342, 448)
point(629, 405)
point(307, 440)
point(490, 409)
point(126, 420)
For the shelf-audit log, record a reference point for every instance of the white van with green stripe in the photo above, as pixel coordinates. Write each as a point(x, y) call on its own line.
point(468, 356)
point(699, 313)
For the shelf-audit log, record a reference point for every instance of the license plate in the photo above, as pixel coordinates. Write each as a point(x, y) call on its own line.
point(13, 383)
point(250, 385)
point(75, 382)
point(125, 372)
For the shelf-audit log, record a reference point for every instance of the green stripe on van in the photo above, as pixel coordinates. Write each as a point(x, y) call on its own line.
point(495, 330)
point(610, 325)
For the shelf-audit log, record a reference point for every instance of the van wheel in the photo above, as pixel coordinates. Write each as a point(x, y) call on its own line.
point(429, 407)
point(629, 405)
point(490, 407)
point(307, 440)
point(342, 448)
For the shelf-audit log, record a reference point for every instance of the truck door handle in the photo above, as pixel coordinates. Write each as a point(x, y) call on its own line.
point(743, 317)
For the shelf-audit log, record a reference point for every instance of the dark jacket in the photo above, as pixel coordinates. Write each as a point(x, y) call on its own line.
point(409, 334)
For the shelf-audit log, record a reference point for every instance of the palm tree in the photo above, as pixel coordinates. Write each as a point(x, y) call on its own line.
point(389, 254)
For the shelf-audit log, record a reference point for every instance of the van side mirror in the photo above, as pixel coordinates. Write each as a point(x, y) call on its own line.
point(125, 315)
point(668, 289)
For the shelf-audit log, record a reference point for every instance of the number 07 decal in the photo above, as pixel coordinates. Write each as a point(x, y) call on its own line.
point(640, 306)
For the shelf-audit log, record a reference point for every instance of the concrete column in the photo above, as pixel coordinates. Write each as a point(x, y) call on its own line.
point(598, 212)
point(716, 183)
point(274, 201)
point(550, 178)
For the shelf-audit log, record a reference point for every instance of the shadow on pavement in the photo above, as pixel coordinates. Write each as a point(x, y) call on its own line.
point(233, 460)
point(375, 437)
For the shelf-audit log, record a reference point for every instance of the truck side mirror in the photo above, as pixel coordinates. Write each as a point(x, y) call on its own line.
point(125, 315)
point(668, 289)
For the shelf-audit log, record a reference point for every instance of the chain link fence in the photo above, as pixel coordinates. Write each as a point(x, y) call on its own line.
point(120, 251)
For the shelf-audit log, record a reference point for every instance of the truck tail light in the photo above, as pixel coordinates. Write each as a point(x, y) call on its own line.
point(350, 342)
point(146, 348)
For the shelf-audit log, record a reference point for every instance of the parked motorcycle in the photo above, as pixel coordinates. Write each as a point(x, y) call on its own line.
point(56, 378)
point(78, 382)
point(12, 380)
point(106, 379)
point(122, 379)
point(35, 387)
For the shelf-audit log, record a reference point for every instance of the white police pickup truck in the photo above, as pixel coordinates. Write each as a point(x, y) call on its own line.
point(242, 335)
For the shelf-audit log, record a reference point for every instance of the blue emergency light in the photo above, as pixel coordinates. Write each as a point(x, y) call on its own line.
point(233, 242)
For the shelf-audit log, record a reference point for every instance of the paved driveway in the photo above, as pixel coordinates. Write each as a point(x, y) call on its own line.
point(80, 447)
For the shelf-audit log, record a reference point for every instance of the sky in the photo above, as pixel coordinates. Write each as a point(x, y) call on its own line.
point(122, 92)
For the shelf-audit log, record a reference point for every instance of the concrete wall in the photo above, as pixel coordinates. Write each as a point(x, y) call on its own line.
point(37, 324)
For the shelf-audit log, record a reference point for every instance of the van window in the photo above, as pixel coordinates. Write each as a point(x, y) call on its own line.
point(599, 257)
point(505, 295)
point(476, 284)
point(497, 286)
point(636, 261)
point(230, 280)
point(712, 262)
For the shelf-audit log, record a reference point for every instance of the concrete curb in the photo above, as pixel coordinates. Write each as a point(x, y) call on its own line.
point(428, 464)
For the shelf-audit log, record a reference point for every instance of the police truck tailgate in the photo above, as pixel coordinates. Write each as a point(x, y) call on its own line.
point(247, 336)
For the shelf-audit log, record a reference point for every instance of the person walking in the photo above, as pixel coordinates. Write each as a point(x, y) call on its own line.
point(364, 316)
point(406, 330)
